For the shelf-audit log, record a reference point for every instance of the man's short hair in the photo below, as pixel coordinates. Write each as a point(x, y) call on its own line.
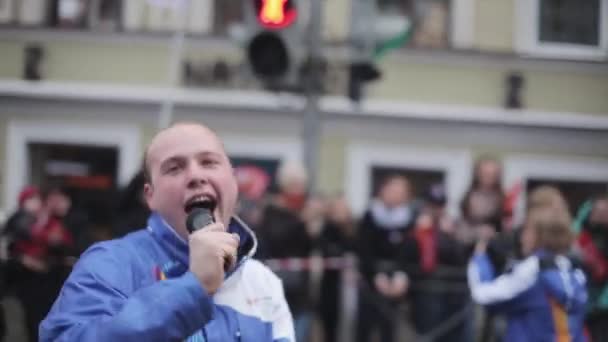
point(145, 167)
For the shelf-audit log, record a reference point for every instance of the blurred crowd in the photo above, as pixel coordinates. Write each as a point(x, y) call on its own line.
point(412, 255)
point(38, 248)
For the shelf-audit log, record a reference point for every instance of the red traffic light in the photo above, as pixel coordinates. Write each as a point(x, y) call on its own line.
point(275, 14)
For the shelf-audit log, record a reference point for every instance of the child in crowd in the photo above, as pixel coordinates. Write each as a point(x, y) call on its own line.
point(543, 297)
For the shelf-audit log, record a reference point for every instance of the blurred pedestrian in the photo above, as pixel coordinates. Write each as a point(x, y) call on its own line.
point(16, 265)
point(337, 240)
point(45, 255)
point(60, 240)
point(482, 207)
point(131, 211)
point(505, 249)
point(385, 243)
point(37, 241)
point(282, 234)
point(484, 201)
point(435, 297)
point(592, 243)
point(543, 297)
point(253, 182)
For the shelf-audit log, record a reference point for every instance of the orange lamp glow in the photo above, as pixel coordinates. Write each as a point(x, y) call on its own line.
point(276, 14)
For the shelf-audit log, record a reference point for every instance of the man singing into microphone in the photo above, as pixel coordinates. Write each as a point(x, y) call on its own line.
point(164, 283)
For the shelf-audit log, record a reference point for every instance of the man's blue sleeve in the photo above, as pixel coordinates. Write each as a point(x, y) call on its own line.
point(98, 303)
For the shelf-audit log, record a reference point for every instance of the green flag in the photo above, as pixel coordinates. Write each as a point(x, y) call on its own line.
point(395, 42)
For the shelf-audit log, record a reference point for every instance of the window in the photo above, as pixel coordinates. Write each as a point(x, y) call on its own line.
point(21, 151)
point(264, 153)
point(227, 13)
point(563, 28)
point(424, 21)
point(256, 160)
point(87, 173)
point(201, 17)
point(268, 166)
point(569, 21)
point(577, 178)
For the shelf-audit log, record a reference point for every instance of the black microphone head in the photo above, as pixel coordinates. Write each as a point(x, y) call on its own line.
point(198, 218)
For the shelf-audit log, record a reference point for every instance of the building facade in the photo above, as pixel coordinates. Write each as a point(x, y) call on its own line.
point(445, 97)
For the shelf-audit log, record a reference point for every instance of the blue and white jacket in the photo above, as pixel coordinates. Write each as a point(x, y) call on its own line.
point(543, 297)
point(138, 288)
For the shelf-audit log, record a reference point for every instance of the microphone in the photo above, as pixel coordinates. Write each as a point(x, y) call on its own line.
point(199, 218)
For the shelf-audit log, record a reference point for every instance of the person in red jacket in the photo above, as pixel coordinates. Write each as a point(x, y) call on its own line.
point(17, 228)
point(435, 297)
point(42, 250)
point(592, 245)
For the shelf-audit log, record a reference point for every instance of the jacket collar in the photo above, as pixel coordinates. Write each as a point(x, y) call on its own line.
point(178, 250)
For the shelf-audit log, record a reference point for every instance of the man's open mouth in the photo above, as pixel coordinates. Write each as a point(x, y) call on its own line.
point(201, 201)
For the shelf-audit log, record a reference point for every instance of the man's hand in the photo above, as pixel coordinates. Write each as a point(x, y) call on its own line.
point(34, 264)
point(210, 248)
point(486, 233)
point(399, 284)
point(382, 284)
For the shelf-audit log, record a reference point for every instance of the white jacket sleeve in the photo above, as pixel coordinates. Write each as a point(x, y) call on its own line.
point(485, 289)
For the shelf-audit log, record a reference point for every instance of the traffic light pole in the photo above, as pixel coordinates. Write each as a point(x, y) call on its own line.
point(311, 128)
point(176, 51)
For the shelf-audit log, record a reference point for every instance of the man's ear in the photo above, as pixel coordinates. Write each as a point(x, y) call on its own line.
point(148, 192)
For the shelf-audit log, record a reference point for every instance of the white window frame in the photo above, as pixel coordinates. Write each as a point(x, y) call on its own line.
point(126, 138)
point(462, 33)
point(527, 42)
point(362, 156)
point(520, 168)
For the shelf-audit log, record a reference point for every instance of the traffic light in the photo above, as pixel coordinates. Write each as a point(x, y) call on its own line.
point(361, 73)
point(276, 14)
point(273, 48)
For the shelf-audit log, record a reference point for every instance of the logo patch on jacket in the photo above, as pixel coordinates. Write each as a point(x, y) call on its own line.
point(158, 273)
point(169, 269)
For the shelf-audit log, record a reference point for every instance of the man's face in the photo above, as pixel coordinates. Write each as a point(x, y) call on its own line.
point(599, 214)
point(489, 174)
point(58, 204)
point(33, 204)
point(395, 193)
point(480, 206)
point(188, 164)
point(528, 240)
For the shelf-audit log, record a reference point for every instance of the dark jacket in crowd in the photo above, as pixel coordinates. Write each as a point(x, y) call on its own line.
point(334, 241)
point(386, 244)
point(382, 249)
point(131, 212)
point(282, 234)
point(17, 228)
